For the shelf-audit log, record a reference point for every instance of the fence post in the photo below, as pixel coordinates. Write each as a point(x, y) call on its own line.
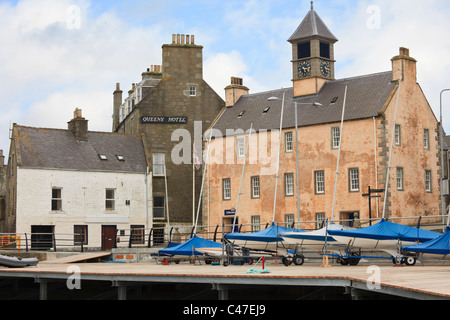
point(54, 240)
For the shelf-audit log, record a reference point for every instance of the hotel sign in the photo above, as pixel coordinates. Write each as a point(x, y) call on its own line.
point(179, 120)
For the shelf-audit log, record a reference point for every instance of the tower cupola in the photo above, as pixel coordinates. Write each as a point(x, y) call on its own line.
point(312, 54)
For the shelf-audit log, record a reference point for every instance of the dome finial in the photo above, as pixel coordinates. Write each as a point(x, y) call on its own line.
point(312, 5)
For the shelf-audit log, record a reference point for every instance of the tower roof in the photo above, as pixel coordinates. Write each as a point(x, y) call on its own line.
point(312, 26)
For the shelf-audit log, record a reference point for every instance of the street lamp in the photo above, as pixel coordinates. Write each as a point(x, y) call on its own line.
point(441, 133)
point(315, 104)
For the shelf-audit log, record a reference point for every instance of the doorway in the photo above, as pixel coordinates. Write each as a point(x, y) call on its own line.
point(42, 237)
point(108, 237)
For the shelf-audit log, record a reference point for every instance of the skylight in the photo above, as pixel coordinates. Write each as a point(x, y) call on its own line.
point(102, 157)
point(266, 110)
point(334, 100)
point(120, 157)
point(241, 114)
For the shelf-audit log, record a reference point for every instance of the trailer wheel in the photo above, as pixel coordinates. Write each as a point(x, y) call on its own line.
point(286, 261)
point(342, 261)
point(299, 259)
point(353, 261)
point(410, 261)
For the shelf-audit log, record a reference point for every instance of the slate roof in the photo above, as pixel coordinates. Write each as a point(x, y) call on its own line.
point(58, 149)
point(366, 97)
point(312, 26)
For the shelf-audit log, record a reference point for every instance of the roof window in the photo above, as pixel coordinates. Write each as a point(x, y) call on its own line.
point(102, 157)
point(266, 110)
point(120, 157)
point(241, 114)
point(334, 100)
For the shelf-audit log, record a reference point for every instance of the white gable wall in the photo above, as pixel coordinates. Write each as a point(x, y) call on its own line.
point(83, 201)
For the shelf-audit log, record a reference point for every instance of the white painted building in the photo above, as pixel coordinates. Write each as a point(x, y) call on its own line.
point(83, 186)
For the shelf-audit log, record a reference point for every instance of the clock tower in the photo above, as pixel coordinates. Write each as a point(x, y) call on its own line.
point(312, 54)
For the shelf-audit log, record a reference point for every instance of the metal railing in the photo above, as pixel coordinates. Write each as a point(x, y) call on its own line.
point(40, 242)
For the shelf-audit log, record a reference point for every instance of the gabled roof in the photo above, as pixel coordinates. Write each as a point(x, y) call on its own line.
point(58, 149)
point(312, 26)
point(366, 97)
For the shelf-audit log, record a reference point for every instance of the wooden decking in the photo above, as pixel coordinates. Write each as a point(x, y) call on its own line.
point(417, 282)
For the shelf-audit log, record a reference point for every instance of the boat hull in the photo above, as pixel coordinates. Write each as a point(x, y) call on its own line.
point(12, 262)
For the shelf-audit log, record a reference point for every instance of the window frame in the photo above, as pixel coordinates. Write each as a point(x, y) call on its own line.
point(110, 200)
point(398, 134)
point(57, 200)
point(240, 146)
point(316, 181)
point(289, 185)
point(158, 216)
point(159, 166)
point(426, 139)
point(254, 187)
point(351, 180)
point(428, 181)
point(287, 142)
point(400, 179)
point(226, 189)
point(335, 140)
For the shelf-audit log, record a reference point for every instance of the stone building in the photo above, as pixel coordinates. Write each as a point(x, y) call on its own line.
point(3, 170)
point(372, 120)
point(76, 182)
point(172, 105)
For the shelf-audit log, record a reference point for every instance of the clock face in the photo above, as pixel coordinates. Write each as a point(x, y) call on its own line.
point(325, 69)
point(304, 69)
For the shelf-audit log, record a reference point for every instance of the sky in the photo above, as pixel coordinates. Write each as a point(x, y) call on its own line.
point(58, 55)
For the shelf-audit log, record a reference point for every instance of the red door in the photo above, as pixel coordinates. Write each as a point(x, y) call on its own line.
point(108, 237)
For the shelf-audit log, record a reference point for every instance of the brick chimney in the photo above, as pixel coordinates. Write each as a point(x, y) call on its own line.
point(234, 91)
point(79, 126)
point(404, 67)
point(117, 102)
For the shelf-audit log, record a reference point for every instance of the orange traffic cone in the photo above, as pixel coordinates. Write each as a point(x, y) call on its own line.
point(165, 262)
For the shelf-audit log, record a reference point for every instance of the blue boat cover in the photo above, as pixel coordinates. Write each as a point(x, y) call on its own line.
point(440, 245)
point(270, 234)
point(188, 248)
point(385, 230)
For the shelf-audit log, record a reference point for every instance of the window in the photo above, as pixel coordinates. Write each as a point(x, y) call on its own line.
point(159, 160)
point(226, 189)
point(428, 181)
point(320, 220)
point(334, 100)
point(325, 50)
point(335, 137)
point(289, 184)
point(320, 182)
point(426, 139)
point(120, 157)
point(255, 187)
point(304, 50)
point(398, 135)
point(241, 147)
point(241, 114)
point(110, 200)
point(56, 199)
point(103, 157)
point(256, 223)
point(400, 184)
point(288, 144)
point(289, 220)
point(80, 235)
point(354, 179)
point(137, 234)
point(159, 207)
point(192, 91)
point(266, 110)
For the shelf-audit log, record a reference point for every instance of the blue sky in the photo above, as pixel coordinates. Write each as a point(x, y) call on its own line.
point(49, 66)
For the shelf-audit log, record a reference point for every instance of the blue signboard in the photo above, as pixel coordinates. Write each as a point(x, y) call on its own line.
point(231, 212)
point(151, 119)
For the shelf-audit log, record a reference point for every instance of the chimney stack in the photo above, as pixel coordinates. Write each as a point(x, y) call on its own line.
point(235, 91)
point(79, 126)
point(404, 66)
point(117, 102)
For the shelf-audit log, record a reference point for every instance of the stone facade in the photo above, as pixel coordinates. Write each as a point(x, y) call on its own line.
point(174, 90)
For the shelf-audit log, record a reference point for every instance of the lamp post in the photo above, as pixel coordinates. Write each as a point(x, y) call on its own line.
point(441, 133)
point(315, 104)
